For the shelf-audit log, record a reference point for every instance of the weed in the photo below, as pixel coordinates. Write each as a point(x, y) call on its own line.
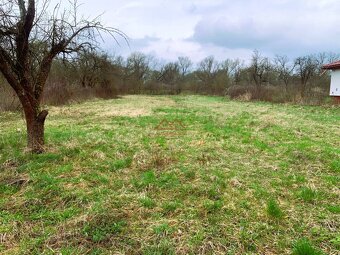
point(307, 194)
point(273, 209)
point(102, 226)
point(168, 180)
point(169, 207)
point(334, 209)
point(148, 178)
point(147, 202)
point(304, 247)
point(212, 206)
point(161, 248)
point(335, 166)
point(163, 229)
point(121, 164)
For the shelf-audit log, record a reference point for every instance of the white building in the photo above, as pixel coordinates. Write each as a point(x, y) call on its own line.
point(335, 81)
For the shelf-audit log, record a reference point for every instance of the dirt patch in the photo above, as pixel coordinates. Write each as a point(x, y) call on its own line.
point(133, 106)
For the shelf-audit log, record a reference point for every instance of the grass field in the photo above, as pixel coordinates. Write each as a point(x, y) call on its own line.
point(173, 175)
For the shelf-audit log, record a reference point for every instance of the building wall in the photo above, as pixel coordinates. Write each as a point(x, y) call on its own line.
point(335, 84)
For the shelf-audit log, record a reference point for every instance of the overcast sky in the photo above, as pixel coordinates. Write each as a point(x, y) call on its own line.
point(223, 28)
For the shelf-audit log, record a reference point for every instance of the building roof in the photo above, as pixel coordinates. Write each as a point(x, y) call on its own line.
point(332, 66)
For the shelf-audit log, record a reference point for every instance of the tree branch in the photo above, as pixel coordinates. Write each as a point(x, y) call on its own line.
point(29, 19)
point(6, 57)
point(5, 69)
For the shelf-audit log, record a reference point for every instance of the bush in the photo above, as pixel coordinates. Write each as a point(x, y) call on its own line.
point(8, 99)
point(236, 92)
point(61, 94)
point(265, 93)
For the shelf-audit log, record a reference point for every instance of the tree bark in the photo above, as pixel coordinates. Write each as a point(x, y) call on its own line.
point(35, 131)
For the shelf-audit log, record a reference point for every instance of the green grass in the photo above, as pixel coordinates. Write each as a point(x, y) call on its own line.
point(273, 209)
point(239, 178)
point(307, 194)
point(304, 247)
point(147, 202)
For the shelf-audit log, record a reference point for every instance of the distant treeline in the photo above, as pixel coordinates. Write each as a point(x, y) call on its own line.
point(97, 75)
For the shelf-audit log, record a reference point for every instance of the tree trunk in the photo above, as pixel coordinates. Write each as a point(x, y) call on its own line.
point(35, 131)
point(303, 90)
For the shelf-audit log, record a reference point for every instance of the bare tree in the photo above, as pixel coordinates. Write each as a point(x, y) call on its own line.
point(323, 58)
point(284, 69)
point(30, 38)
point(259, 68)
point(184, 65)
point(92, 67)
point(332, 57)
point(232, 69)
point(169, 75)
point(207, 71)
point(138, 67)
point(305, 68)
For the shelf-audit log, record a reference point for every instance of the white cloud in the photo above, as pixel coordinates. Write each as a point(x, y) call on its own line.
point(224, 28)
point(285, 27)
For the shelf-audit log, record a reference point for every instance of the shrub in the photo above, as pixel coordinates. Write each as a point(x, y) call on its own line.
point(236, 92)
point(265, 93)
